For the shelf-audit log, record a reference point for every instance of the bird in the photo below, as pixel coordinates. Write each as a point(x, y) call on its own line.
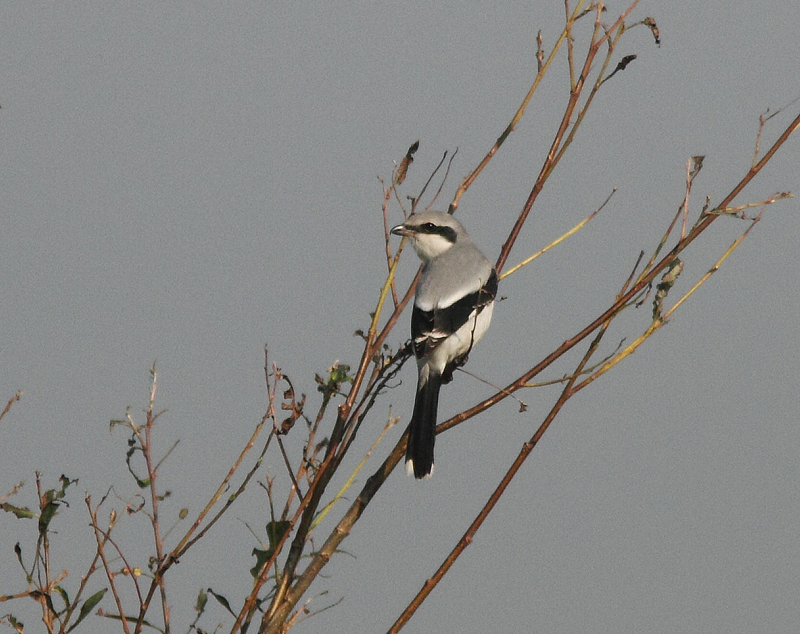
point(452, 310)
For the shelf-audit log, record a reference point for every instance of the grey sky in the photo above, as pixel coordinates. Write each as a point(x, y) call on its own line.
point(185, 182)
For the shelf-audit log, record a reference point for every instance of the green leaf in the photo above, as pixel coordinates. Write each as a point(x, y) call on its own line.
point(130, 619)
point(87, 607)
point(337, 374)
point(202, 599)
point(142, 483)
point(18, 626)
point(48, 513)
point(262, 557)
point(222, 600)
point(64, 595)
point(18, 553)
point(65, 482)
point(275, 532)
point(20, 512)
point(48, 599)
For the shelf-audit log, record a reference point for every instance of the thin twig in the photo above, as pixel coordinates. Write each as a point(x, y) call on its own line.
point(555, 153)
point(109, 575)
point(465, 184)
point(558, 240)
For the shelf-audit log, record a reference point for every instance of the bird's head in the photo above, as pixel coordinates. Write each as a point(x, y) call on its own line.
point(431, 232)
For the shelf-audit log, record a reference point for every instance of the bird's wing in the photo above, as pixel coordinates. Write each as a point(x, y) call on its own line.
point(430, 327)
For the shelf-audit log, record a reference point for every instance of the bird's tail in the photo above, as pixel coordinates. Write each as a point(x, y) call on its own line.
point(422, 430)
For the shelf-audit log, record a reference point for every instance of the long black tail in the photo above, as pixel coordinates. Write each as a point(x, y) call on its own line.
point(422, 430)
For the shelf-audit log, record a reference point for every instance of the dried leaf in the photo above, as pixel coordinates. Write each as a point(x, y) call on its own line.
point(408, 159)
point(651, 24)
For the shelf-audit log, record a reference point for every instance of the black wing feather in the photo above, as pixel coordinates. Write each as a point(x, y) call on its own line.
point(445, 321)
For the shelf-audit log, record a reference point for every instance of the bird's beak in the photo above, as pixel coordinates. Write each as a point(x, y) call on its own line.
point(401, 230)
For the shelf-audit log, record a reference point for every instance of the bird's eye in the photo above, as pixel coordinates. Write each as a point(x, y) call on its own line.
point(429, 227)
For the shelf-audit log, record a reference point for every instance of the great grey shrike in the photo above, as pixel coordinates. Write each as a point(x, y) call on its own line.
point(452, 310)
